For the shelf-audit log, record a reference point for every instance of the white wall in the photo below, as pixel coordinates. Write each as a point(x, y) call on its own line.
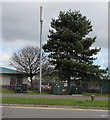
point(25, 80)
point(5, 80)
point(0, 79)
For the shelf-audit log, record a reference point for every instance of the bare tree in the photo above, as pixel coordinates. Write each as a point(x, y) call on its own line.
point(28, 60)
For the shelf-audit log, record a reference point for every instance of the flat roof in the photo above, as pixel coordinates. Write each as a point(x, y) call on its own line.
point(4, 70)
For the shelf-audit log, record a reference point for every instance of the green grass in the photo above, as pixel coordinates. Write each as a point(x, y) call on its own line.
point(89, 94)
point(48, 92)
point(28, 92)
point(61, 102)
point(37, 92)
point(6, 91)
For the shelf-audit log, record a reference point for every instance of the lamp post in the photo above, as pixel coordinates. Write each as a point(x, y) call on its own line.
point(41, 22)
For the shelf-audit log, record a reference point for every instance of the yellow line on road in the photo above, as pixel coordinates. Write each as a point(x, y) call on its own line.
point(51, 108)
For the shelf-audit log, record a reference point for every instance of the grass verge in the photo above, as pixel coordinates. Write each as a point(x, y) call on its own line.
point(6, 91)
point(37, 92)
point(60, 102)
point(28, 92)
point(89, 94)
point(48, 92)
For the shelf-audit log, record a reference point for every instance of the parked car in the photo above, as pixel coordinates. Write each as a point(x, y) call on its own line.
point(46, 87)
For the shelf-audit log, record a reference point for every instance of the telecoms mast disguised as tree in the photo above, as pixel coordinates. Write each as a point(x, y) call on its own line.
point(70, 48)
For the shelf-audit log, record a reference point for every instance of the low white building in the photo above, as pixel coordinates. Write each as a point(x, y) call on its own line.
point(10, 78)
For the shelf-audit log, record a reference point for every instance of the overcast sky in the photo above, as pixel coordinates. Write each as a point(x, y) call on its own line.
point(21, 26)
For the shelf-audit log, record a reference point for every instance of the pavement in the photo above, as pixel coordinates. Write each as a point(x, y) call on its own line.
point(75, 97)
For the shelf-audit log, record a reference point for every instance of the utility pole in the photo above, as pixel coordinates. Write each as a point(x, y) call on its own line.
point(41, 22)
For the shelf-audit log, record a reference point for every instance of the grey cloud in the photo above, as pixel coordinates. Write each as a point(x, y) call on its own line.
point(21, 20)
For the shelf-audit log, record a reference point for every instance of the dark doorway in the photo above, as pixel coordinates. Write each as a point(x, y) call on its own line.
point(19, 80)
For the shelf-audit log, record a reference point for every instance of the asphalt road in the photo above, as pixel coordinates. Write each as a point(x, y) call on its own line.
point(55, 96)
point(40, 112)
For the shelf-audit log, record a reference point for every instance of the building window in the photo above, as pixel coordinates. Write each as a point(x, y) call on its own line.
point(16, 80)
point(13, 81)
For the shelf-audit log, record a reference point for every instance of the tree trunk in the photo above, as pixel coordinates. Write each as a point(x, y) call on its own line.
point(32, 87)
point(68, 90)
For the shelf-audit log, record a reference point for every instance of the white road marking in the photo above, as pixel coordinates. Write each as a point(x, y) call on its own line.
point(104, 115)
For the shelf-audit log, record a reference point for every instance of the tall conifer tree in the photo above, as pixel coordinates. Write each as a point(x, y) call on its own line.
point(70, 47)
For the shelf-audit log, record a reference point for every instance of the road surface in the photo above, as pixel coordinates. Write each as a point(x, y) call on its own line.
point(43, 112)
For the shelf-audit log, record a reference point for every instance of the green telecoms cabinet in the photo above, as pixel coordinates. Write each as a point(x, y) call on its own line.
point(76, 90)
point(84, 87)
point(19, 88)
point(57, 89)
